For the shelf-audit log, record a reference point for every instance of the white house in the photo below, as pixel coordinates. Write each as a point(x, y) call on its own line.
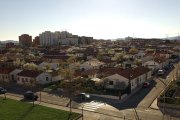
point(91, 64)
point(13, 75)
point(152, 65)
point(113, 80)
point(133, 76)
point(31, 78)
point(156, 63)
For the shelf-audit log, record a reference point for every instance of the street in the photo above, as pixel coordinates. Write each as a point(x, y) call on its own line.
point(136, 107)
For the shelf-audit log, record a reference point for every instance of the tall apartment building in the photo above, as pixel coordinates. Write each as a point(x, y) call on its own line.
point(85, 40)
point(47, 38)
point(25, 40)
point(36, 41)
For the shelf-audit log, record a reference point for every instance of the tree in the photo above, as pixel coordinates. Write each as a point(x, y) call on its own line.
point(149, 50)
point(68, 74)
point(32, 84)
point(100, 57)
point(48, 67)
point(133, 51)
point(17, 63)
point(138, 62)
point(99, 85)
point(71, 59)
point(30, 66)
point(105, 81)
point(119, 57)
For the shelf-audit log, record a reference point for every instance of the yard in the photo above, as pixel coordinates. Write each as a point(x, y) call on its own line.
point(172, 95)
point(18, 110)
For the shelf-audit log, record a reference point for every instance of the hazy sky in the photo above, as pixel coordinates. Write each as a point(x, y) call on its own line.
point(97, 18)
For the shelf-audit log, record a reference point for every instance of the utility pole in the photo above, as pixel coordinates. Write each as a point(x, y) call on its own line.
point(4, 88)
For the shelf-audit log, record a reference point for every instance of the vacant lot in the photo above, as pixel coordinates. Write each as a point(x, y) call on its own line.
point(17, 110)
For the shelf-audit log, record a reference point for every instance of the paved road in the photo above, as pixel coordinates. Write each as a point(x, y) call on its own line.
point(140, 101)
point(135, 107)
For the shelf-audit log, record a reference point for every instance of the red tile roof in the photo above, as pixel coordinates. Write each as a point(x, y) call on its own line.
point(87, 72)
point(133, 72)
point(160, 59)
point(56, 57)
point(29, 73)
point(6, 70)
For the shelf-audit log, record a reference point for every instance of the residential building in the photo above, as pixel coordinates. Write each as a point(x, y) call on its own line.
point(4, 74)
point(47, 38)
point(13, 75)
point(92, 64)
point(32, 78)
point(120, 79)
point(10, 45)
point(36, 41)
point(69, 41)
point(25, 40)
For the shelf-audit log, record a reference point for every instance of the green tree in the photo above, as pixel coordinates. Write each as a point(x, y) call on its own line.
point(30, 66)
point(119, 57)
point(67, 74)
point(138, 62)
point(100, 57)
point(133, 51)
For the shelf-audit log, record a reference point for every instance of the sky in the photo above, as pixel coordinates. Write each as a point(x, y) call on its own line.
point(101, 19)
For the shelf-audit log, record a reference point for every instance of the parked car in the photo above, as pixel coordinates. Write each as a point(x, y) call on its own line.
point(2, 90)
point(161, 72)
point(167, 67)
point(146, 84)
point(29, 95)
point(83, 96)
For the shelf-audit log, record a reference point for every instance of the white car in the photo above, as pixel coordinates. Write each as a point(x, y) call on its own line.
point(161, 72)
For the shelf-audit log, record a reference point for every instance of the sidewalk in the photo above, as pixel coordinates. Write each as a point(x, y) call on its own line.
point(154, 105)
point(87, 115)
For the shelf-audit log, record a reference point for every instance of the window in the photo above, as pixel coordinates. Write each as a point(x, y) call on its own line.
point(26, 80)
point(47, 78)
point(111, 82)
point(131, 83)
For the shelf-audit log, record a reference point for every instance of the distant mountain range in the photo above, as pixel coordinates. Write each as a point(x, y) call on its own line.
point(8, 41)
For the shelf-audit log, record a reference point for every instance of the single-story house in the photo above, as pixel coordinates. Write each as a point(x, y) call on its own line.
point(91, 64)
point(122, 78)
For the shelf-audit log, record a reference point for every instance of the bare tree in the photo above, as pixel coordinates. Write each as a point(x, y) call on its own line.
point(67, 74)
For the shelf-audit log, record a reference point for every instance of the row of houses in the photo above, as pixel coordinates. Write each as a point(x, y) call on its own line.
point(27, 77)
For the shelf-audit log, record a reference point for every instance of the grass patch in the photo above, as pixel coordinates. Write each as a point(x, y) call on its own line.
point(17, 110)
